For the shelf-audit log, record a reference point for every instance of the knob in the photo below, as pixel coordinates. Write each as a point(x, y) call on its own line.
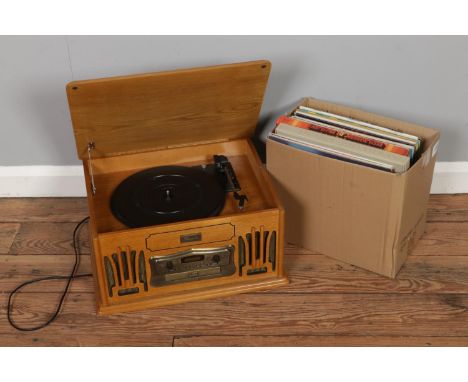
point(216, 259)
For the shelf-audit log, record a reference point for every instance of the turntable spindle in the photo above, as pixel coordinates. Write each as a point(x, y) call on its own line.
point(168, 194)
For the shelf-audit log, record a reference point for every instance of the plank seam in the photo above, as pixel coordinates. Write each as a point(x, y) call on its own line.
point(14, 238)
point(186, 336)
point(376, 293)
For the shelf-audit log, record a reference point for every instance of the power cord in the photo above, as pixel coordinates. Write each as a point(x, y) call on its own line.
point(72, 276)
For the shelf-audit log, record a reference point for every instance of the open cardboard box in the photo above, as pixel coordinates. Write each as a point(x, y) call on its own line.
point(360, 215)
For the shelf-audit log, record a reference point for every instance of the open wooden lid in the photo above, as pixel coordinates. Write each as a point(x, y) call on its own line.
point(165, 109)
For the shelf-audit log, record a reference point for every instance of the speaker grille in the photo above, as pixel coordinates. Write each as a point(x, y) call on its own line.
point(256, 251)
point(125, 272)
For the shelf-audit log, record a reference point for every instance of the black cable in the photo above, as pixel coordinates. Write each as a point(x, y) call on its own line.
point(65, 291)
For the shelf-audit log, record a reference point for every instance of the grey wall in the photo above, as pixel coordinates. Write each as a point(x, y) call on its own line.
point(419, 79)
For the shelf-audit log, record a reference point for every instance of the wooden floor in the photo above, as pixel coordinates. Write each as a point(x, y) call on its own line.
point(327, 303)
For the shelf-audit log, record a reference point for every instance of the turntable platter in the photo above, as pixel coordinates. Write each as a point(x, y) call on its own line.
point(167, 194)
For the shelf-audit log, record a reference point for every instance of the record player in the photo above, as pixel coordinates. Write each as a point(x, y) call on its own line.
point(181, 208)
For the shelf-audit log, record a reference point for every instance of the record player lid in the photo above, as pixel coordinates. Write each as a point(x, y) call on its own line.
point(159, 110)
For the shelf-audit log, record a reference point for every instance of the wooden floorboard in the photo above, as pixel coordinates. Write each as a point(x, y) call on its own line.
point(8, 232)
point(62, 210)
point(308, 274)
point(77, 337)
point(445, 208)
point(330, 340)
point(48, 238)
point(328, 303)
point(441, 238)
point(444, 238)
point(261, 314)
point(72, 210)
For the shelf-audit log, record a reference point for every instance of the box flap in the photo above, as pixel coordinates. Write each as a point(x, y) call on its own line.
point(159, 110)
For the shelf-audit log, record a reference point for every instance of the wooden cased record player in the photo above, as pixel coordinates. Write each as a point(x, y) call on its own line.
point(180, 205)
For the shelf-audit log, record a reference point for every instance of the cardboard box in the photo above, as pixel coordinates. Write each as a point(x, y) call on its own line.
point(356, 214)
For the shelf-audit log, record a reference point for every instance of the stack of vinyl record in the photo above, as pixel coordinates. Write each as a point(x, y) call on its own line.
point(347, 139)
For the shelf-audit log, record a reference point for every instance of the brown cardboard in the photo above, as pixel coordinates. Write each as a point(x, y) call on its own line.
point(360, 215)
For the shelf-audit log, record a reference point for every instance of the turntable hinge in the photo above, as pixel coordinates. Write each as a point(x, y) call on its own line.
point(91, 146)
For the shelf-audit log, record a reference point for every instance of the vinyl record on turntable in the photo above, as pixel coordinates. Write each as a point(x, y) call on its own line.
point(167, 194)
